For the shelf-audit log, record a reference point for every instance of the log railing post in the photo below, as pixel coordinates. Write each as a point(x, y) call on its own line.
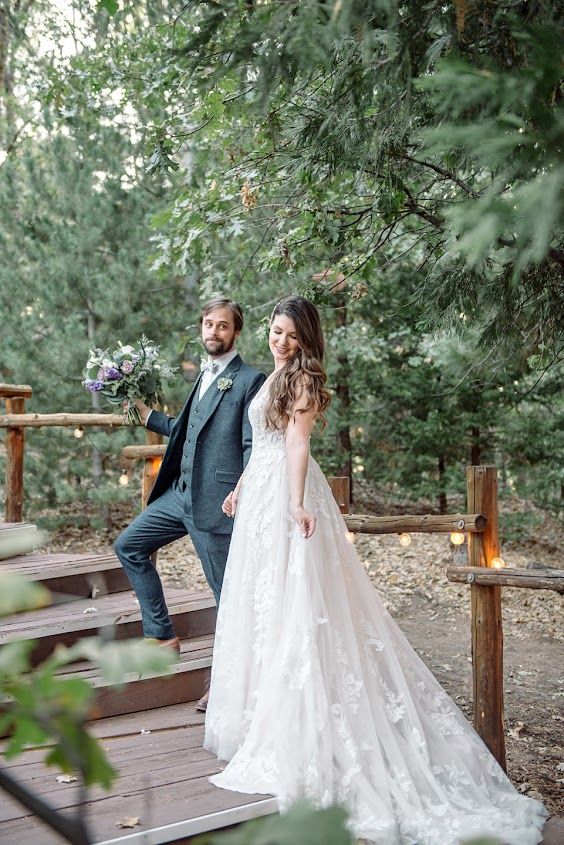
point(14, 464)
point(14, 397)
point(487, 631)
point(341, 488)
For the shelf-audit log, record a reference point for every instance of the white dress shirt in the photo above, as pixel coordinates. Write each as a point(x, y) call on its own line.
point(223, 362)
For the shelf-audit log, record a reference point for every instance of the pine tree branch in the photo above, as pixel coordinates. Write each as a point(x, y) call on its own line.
point(558, 256)
point(443, 172)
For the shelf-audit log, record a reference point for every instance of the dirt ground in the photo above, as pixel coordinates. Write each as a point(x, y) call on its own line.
point(435, 616)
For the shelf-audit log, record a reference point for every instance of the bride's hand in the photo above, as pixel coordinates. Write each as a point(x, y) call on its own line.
point(305, 520)
point(229, 505)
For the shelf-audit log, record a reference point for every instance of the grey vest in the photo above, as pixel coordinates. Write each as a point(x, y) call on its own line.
point(193, 428)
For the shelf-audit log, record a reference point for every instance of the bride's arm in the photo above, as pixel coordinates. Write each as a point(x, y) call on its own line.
point(297, 455)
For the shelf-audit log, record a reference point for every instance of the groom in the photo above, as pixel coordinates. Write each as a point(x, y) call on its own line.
point(208, 448)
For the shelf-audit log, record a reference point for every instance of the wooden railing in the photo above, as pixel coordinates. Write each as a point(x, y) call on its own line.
point(15, 421)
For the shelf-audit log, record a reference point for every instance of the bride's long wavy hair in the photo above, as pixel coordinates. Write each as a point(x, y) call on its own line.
point(304, 372)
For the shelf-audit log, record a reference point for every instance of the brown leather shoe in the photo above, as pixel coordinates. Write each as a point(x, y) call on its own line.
point(174, 643)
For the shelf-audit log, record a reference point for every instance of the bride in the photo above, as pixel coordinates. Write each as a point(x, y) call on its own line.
point(315, 691)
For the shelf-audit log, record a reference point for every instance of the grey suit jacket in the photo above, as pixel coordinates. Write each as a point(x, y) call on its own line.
point(223, 445)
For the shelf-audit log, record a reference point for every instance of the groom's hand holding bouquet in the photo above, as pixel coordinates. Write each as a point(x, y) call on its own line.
point(130, 376)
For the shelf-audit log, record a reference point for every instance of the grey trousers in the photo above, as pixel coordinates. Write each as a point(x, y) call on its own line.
point(165, 520)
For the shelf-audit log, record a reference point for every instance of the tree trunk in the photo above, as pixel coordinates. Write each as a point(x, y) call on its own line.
point(97, 463)
point(5, 76)
point(475, 448)
point(344, 400)
point(442, 491)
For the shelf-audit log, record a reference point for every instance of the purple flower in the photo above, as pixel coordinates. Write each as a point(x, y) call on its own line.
point(93, 385)
point(127, 367)
point(102, 374)
point(113, 374)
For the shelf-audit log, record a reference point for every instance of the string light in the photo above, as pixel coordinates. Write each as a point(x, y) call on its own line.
point(78, 432)
point(497, 563)
point(124, 479)
point(405, 539)
point(457, 538)
point(350, 536)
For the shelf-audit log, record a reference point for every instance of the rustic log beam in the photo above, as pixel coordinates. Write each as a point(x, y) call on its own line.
point(487, 630)
point(13, 391)
point(424, 524)
point(17, 420)
point(539, 579)
point(137, 452)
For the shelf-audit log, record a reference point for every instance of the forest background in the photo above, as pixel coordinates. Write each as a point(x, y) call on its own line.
point(399, 163)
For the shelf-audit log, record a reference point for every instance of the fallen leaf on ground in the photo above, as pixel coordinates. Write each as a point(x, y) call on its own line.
point(128, 821)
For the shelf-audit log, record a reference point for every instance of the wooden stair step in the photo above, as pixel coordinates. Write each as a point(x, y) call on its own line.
point(80, 575)
point(185, 682)
point(193, 614)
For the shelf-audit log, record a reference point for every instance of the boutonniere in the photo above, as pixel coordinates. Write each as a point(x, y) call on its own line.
point(224, 383)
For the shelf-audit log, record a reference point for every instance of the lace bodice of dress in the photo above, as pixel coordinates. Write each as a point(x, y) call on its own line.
point(265, 440)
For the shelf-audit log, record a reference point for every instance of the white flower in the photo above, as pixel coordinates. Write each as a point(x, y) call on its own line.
point(224, 383)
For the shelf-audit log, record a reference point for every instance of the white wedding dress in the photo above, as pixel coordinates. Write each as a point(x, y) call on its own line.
point(316, 692)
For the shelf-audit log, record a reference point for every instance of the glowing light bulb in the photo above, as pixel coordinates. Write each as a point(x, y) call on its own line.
point(405, 539)
point(457, 538)
point(78, 432)
point(497, 563)
point(350, 536)
point(123, 479)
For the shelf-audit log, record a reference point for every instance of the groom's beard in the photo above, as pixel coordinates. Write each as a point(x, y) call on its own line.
point(215, 348)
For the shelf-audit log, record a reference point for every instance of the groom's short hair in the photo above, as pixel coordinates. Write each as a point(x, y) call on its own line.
point(224, 302)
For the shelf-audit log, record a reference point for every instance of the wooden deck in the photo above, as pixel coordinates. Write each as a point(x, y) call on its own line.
point(163, 781)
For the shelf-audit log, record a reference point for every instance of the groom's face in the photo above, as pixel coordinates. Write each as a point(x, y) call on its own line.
point(218, 332)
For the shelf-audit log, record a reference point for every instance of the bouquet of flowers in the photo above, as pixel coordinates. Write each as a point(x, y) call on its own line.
point(126, 374)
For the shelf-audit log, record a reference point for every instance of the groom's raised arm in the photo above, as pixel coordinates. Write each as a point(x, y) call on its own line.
point(247, 432)
point(154, 420)
point(159, 422)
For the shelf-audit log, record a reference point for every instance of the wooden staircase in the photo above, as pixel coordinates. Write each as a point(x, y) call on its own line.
point(150, 729)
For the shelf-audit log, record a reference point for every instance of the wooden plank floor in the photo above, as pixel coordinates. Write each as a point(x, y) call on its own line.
point(163, 779)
